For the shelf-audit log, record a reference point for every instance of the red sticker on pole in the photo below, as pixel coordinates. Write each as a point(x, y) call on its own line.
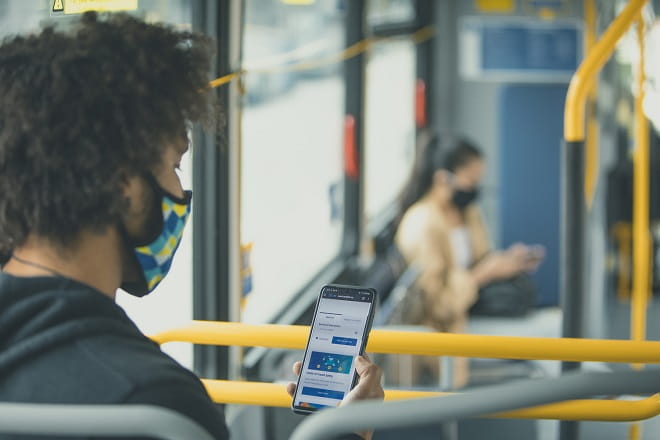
point(351, 165)
point(420, 103)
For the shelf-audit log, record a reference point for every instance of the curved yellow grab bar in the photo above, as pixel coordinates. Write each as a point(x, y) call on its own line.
point(427, 344)
point(583, 77)
point(270, 394)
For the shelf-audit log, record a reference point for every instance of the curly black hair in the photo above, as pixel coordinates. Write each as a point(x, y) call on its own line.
point(82, 111)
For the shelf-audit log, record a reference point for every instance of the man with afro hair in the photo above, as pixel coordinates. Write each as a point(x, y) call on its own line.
point(93, 124)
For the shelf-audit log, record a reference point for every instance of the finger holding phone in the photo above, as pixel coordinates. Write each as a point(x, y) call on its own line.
point(368, 386)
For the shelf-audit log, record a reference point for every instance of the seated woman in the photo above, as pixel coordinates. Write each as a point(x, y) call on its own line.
point(442, 231)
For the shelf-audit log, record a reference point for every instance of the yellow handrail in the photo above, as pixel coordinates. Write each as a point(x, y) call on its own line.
point(426, 344)
point(271, 394)
point(641, 229)
point(641, 194)
point(574, 114)
point(418, 37)
point(591, 142)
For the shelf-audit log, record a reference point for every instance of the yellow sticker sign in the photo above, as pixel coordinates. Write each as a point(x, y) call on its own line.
point(495, 6)
point(80, 6)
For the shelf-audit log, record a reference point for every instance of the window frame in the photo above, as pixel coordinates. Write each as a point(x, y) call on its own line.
point(215, 251)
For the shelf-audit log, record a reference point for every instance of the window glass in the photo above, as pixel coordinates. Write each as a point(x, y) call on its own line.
point(380, 12)
point(291, 160)
point(390, 124)
point(19, 16)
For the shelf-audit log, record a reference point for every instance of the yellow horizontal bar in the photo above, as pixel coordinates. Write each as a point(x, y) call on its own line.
point(426, 344)
point(224, 79)
point(270, 394)
point(583, 77)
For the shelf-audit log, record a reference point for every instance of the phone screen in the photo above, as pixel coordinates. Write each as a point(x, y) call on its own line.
point(338, 334)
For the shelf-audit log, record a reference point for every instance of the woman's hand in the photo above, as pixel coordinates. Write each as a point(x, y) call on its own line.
point(527, 258)
point(518, 259)
point(368, 386)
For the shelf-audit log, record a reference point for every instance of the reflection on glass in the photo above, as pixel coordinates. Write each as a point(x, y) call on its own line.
point(19, 16)
point(390, 125)
point(292, 200)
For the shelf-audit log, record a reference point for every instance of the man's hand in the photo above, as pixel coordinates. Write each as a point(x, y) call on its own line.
point(368, 386)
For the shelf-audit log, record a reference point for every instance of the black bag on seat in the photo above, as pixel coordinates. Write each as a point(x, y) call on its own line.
point(513, 297)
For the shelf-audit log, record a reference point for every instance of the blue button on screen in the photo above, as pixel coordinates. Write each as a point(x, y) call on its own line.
point(344, 341)
point(320, 392)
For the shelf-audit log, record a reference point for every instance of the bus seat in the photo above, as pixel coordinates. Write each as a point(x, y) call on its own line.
point(47, 420)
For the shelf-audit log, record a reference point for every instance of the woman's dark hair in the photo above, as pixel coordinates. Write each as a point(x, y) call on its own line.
point(461, 154)
point(83, 111)
point(434, 155)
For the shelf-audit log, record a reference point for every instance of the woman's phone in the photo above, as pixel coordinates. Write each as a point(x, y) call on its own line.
point(339, 332)
point(535, 254)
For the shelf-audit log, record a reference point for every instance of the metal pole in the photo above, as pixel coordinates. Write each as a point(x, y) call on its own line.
point(572, 256)
point(573, 179)
point(354, 79)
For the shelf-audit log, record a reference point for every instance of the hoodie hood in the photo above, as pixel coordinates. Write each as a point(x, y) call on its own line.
point(40, 313)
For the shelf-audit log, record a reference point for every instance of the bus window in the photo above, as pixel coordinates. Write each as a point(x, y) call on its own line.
point(389, 12)
point(19, 17)
point(390, 125)
point(291, 160)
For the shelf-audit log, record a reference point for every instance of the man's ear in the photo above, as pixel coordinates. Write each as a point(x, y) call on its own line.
point(133, 215)
point(133, 188)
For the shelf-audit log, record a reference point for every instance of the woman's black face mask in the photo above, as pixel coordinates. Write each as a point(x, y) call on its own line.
point(464, 198)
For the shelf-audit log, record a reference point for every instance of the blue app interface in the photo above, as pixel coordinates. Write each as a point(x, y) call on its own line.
point(336, 337)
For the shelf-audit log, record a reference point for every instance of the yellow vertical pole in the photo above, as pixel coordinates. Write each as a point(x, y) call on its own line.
point(591, 140)
point(641, 229)
point(635, 432)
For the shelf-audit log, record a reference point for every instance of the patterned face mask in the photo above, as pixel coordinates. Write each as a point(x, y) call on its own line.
point(155, 258)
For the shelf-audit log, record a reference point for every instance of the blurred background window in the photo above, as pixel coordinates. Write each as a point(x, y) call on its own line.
point(291, 157)
point(390, 125)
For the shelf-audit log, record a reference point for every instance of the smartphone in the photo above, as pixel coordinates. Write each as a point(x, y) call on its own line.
point(535, 254)
point(339, 332)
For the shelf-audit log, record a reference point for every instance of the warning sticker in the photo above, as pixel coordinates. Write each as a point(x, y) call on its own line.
point(80, 6)
point(495, 6)
point(58, 5)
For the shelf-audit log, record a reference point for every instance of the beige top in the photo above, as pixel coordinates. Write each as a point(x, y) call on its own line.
point(446, 289)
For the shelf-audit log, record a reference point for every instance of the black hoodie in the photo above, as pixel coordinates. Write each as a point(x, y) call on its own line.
point(64, 342)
